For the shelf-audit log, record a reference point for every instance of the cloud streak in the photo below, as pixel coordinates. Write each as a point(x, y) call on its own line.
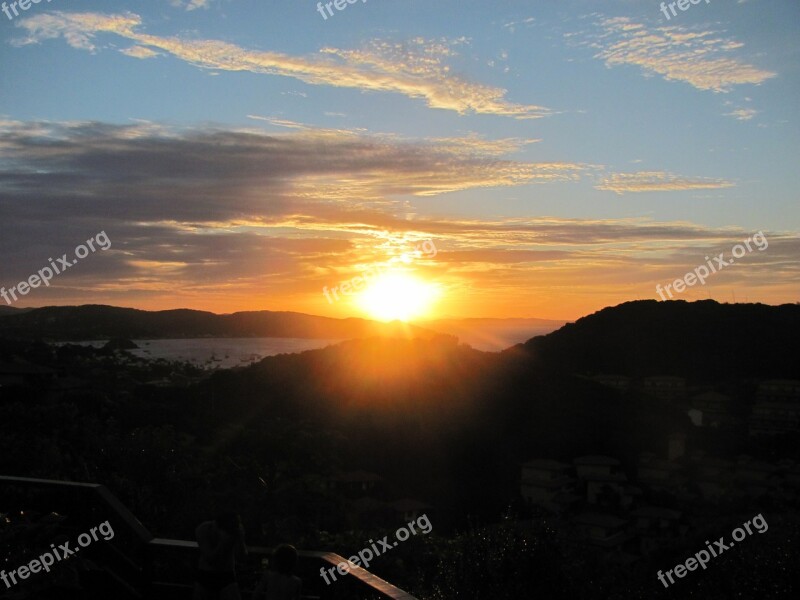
point(658, 181)
point(702, 59)
point(147, 173)
point(416, 69)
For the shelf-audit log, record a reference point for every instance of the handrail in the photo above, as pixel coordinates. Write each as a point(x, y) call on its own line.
point(365, 577)
point(134, 524)
point(148, 544)
point(124, 558)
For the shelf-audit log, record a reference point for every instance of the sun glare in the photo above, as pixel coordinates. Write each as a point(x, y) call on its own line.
point(397, 296)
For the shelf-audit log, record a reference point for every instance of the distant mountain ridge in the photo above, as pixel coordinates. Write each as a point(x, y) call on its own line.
point(97, 322)
point(493, 334)
point(702, 339)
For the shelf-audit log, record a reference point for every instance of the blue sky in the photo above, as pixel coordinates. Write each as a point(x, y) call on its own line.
point(564, 155)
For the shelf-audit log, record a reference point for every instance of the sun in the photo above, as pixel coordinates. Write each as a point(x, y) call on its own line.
point(397, 296)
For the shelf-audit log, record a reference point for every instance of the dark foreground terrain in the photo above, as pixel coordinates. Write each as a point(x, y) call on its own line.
point(577, 465)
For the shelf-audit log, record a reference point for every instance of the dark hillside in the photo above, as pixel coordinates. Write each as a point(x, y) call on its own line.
point(702, 340)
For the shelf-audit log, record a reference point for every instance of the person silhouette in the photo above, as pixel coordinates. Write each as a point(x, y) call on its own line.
point(279, 581)
point(220, 541)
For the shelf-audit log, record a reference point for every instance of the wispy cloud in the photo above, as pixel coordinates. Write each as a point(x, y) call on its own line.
point(139, 52)
point(512, 25)
point(742, 114)
point(703, 59)
point(190, 4)
point(658, 181)
point(416, 68)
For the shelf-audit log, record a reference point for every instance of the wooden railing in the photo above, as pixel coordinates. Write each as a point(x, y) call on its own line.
point(142, 566)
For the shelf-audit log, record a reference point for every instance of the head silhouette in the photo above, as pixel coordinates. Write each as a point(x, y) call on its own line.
point(284, 559)
point(228, 522)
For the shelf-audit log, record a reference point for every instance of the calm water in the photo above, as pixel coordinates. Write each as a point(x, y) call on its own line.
point(219, 352)
point(234, 352)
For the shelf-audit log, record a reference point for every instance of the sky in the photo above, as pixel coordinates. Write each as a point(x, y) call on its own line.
point(505, 158)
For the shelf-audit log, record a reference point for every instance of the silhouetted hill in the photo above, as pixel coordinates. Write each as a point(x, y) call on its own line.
point(702, 340)
point(93, 322)
point(10, 310)
point(466, 417)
